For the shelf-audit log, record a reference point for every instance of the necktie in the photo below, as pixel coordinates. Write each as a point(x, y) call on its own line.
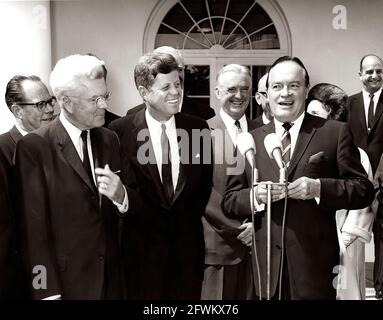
point(370, 119)
point(238, 125)
point(85, 161)
point(166, 168)
point(286, 143)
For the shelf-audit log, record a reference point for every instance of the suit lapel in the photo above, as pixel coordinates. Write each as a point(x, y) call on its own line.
point(70, 154)
point(379, 111)
point(359, 111)
point(305, 134)
point(151, 167)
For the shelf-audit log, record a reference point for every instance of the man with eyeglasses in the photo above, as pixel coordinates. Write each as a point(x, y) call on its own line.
point(70, 195)
point(32, 105)
point(261, 98)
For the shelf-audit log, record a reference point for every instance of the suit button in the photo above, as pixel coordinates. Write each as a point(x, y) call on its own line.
point(101, 257)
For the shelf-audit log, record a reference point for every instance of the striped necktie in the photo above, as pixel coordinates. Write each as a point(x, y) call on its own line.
point(286, 144)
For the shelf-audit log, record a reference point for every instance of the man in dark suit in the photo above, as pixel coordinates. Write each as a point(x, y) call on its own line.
point(365, 109)
point(324, 174)
point(30, 102)
point(261, 98)
point(188, 105)
point(227, 273)
point(365, 118)
point(163, 244)
point(68, 218)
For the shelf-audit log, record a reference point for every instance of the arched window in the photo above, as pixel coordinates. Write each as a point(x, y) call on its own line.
point(213, 33)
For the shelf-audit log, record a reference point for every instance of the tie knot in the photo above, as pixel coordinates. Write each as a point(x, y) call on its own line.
point(287, 126)
point(371, 95)
point(238, 125)
point(163, 127)
point(84, 135)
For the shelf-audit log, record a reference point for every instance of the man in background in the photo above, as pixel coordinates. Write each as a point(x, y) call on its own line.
point(261, 98)
point(32, 105)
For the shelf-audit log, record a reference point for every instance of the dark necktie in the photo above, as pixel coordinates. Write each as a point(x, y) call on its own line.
point(166, 169)
point(238, 125)
point(286, 143)
point(85, 153)
point(370, 119)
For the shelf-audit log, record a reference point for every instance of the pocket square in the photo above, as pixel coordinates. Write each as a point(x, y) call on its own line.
point(318, 157)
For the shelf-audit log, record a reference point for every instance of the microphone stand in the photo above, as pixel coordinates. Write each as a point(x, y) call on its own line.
point(282, 182)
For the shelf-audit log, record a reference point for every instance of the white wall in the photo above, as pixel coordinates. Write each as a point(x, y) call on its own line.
point(25, 39)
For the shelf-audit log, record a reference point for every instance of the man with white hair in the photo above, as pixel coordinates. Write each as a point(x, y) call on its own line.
point(187, 105)
point(69, 191)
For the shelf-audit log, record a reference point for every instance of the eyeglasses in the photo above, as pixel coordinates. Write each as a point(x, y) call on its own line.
point(263, 93)
point(96, 100)
point(103, 98)
point(41, 105)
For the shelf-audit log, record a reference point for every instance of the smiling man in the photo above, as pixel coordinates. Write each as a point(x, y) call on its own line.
point(69, 196)
point(32, 105)
point(324, 174)
point(163, 244)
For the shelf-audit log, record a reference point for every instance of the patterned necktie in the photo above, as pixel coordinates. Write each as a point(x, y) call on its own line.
point(166, 168)
point(85, 153)
point(370, 118)
point(286, 144)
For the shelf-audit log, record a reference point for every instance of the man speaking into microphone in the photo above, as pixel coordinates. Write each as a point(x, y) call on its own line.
point(324, 174)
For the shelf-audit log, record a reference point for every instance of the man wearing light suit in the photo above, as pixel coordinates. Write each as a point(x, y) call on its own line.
point(163, 244)
point(324, 174)
point(69, 195)
point(227, 241)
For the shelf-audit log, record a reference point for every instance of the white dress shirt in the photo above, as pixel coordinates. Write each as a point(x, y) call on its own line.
point(155, 132)
point(21, 130)
point(366, 102)
point(264, 119)
point(231, 127)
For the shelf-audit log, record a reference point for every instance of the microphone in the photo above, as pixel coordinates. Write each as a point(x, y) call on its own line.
point(273, 146)
point(246, 146)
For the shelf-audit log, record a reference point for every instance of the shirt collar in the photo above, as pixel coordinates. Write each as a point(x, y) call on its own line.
point(297, 122)
point(153, 123)
point(264, 119)
point(366, 95)
point(73, 131)
point(230, 122)
point(21, 130)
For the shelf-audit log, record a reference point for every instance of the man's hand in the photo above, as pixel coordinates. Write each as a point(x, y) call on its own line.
point(109, 184)
point(247, 234)
point(277, 193)
point(304, 189)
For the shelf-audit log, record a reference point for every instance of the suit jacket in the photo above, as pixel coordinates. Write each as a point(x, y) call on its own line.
point(11, 275)
point(258, 121)
point(109, 117)
point(371, 142)
point(66, 226)
point(163, 244)
point(189, 106)
point(325, 151)
point(221, 244)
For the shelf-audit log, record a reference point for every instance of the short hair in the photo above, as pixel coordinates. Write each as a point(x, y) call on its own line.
point(368, 55)
point(175, 53)
point(333, 98)
point(70, 71)
point(103, 66)
point(293, 59)
point(14, 92)
point(237, 68)
point(150, 65)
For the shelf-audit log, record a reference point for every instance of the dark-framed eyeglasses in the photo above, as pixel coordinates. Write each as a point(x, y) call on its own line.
point(41, 105)
point(263, 93)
